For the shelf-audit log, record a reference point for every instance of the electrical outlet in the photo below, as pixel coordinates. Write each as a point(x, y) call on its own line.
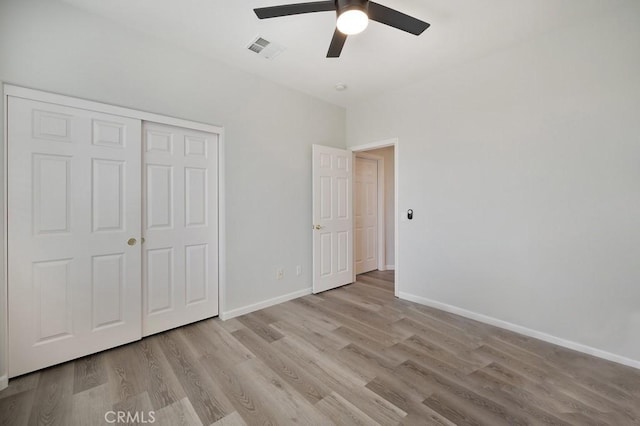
point(298, 270)
point(279, 273)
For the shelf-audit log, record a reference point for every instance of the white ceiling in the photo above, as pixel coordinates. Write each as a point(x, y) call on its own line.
point(379, 59)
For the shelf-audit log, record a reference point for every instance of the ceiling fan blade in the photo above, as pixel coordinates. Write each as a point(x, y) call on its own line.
point(294, 9)
point(393, 18)
point(337, 42)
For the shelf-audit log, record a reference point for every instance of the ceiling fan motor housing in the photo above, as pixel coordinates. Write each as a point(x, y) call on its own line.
point(344, 5)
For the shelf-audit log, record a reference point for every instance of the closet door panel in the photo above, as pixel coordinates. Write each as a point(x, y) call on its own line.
point(74, 200)
point(180, 226)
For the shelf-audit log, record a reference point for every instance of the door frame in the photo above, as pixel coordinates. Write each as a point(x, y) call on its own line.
point(395, 143)
point(42, 96)
point(381, 225)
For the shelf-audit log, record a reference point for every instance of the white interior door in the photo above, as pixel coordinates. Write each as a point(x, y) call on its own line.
point(366, 215)
point(332, 218)
point(180, 222)
point(73, 203)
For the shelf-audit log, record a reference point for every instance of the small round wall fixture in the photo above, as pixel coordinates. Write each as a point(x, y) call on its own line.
point(341, 87)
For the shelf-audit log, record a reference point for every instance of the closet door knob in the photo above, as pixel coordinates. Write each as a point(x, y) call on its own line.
point(132, 241)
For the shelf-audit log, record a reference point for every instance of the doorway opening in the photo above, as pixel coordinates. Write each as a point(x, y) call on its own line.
point(375, 225)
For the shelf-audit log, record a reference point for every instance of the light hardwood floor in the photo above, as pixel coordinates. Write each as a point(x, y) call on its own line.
point(355, 355)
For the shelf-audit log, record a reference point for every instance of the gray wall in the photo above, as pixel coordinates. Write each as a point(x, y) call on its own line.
point(523, 170)
point(269, 129)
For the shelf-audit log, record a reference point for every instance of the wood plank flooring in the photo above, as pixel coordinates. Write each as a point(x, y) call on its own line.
point(350, 356)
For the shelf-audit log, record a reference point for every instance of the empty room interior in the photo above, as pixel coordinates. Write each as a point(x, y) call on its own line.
point(336, 212)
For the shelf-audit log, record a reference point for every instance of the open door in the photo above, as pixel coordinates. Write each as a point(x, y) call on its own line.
point(332, 218)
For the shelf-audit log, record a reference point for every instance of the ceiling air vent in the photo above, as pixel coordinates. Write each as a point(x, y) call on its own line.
point(265, 48)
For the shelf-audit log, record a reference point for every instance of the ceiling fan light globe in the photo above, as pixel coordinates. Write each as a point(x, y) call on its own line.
point(352, 21)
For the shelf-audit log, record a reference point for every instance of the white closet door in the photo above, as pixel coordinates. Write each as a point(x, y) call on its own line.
point(73, 201)
point(180, 226)
point(366, 215)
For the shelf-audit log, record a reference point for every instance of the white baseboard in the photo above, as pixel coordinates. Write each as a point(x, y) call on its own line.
point(264, 304)
point(4, 382)
point(386, 268)
point(522, 330)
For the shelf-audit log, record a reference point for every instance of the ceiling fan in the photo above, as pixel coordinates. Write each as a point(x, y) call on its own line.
point(352, 18)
